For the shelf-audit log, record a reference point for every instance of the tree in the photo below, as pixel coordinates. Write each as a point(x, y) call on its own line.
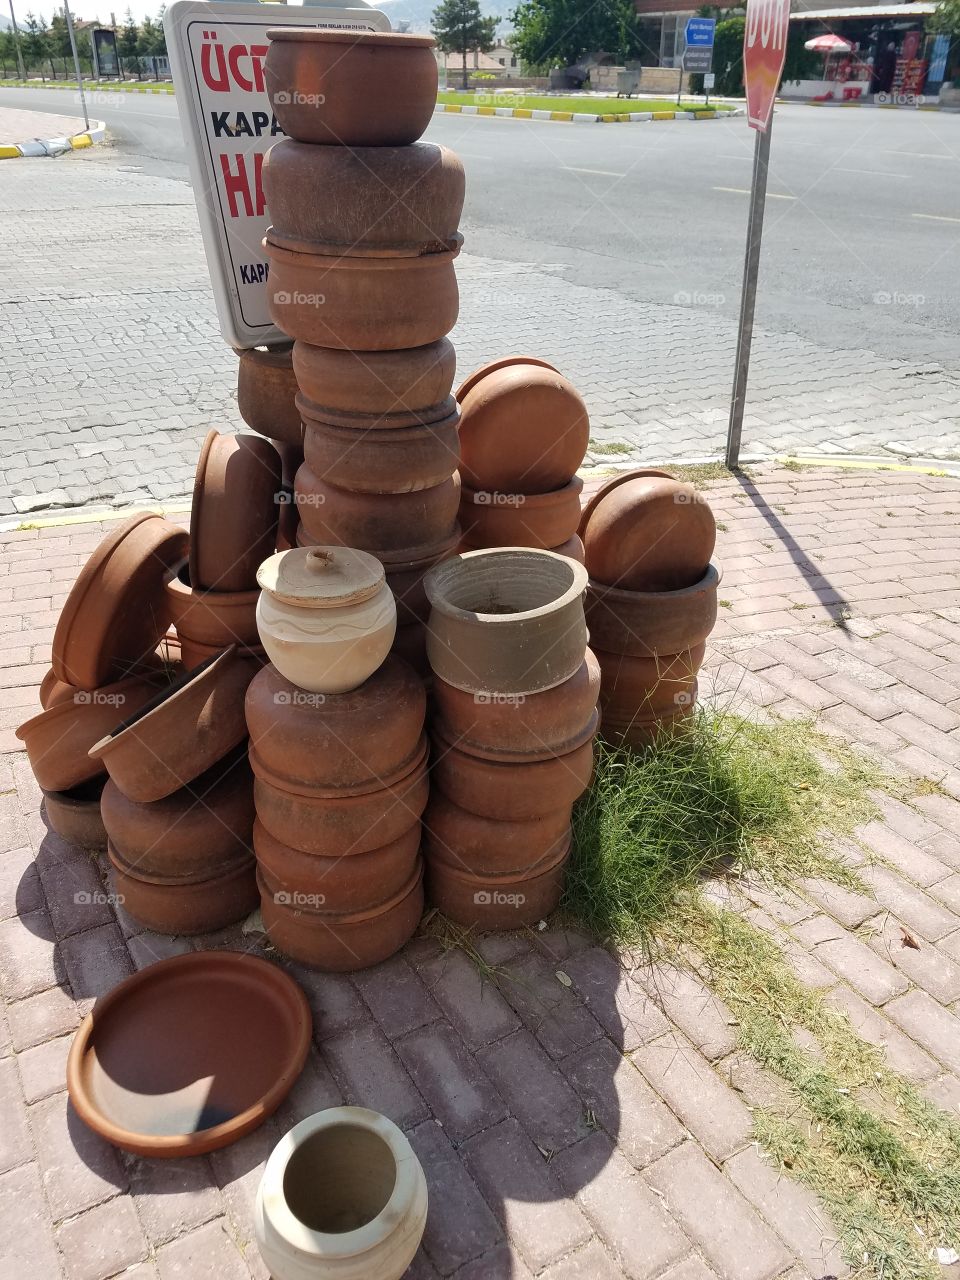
point(460, 27)
point(128, 42)
point(550, 33)
point(8, 52)
point(59, 40)
point(728, 57)
point(34, 40)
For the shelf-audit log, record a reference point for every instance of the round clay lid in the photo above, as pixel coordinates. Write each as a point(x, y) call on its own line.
point(505, 362)
point(321, 577)
point(399, 39)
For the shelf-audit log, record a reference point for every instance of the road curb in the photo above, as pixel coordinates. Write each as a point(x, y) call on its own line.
point(54, 146)
point(90, 86)
point(580, 117)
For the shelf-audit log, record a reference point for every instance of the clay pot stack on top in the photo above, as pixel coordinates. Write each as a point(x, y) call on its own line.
point(339, 755)
point(651, 601)
point(361, 248)
point(516, 691)
point(524, 431)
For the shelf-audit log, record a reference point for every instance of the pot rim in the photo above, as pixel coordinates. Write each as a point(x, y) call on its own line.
point(503, 363)
point(334, 920)
point(313, 35)
point(406, 769)
point(443, 606)
point(368, 262)
point(544, 867)
point(60, 709)
point(312, 415)
point(437, 553)
point(490, 755)
point(614, 482)
point(564, 493)
point(710, 581)
point(361, 249)
point(408, 1180)
point(187, 596)
point(207, 880)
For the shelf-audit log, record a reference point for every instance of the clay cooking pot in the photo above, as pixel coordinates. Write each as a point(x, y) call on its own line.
point(185, 906)
point(393, 522)
point(216, 618)
point(398, 460)
point(75, 815)
point(376, 388)
point(488, 846)
point(503, 902)
point(545, 520)
point(646, 623)
point(266, 393)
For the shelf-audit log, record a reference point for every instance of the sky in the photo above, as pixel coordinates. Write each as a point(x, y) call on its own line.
point(416, 11)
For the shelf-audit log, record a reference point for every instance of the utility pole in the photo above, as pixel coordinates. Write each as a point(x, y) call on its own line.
point(16, 40)
point(76, 63)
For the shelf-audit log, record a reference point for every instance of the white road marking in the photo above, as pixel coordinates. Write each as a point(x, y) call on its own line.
point(745, 191)
point(935, 217)
point(602, 173)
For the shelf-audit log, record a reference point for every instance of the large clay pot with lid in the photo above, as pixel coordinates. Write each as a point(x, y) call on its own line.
point(214, 618)
point(266, 392)
point(645, 623)
point(523, 428)
point(362, 304)
point(326, 616)
point(485, 845)
point(398, 460)
point(363, 200)
point(546, 520)
point(380, 389)
point(340, 742)
point(506, 621)
point(487, 902)
point(511, 791)
point(187, 906)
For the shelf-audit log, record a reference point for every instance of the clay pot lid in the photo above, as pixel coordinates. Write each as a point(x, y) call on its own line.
point(469, 383)
point(312, 35)
point(614, 483)
point(189, 1054)
point(321, 577)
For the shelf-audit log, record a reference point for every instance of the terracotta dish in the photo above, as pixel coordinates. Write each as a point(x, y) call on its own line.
point(189, 1054)
point(233, 520)
point(266, 388)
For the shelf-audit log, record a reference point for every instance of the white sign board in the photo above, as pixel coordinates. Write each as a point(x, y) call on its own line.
point(217, 52)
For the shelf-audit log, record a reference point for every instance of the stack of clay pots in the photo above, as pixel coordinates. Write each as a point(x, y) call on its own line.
point(212, 596)
point(516, 691)
point(339, 755)
point(361, 249)
point(524, 431)
point(651, 601)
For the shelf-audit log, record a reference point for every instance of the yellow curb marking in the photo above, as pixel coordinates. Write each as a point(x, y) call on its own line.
point(561, 115)
point(664, 115)
point(849, 464)
point(56, 522)
point(80, 141)
point(486, 111)
point(9, 153)
point(522, 113)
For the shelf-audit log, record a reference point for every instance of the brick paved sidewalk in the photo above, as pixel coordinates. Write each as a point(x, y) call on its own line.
point(586, 1133)
point(24, 126)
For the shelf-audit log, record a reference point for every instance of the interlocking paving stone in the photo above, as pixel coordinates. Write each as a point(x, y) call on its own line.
point(26, 1236)
point(102, 1241)
point(460, 1224)
point(929, 1023)
point(459, 1094)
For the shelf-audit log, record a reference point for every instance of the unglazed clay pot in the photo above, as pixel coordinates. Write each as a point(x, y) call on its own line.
point(336, 744)
point(181, 732)
point(116, 611)
point(627, 726)
point(363, 200)
point(344, 884)
point(394, 522)
point(266, 393)
point(216, 618)
point(198, 832)
point(399, 460)
point(233, 520)
point(410, 644)
point(404, 560)
point(489, 846)
point(546, 520)
point(573, 548)
point(185, 906)
point(648, 686)
point(196, 654)
point(650, 534)
point(326, 617)
point(645, 623)
point(536, 727)
point(343, 1197)
point(376, 388)
point(523, 429)
point(340, 943)
point(503, 902)
point(58, 741)
point(75, 815)
point(342, 825)
point(53, 691)
point(598, 492)
point(351, 88)
point(506, 621)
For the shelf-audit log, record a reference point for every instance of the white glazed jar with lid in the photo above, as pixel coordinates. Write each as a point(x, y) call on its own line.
point(326, 616)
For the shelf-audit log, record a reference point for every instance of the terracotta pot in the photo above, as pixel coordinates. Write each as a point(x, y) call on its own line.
point(650, 534)
point(116, 611)
point(648, 686)
point(520, 520)
point(400, 460)
point(363, 200)
point(491, 903)
point(645, 623)
point(58, 741)
point(185, 906)
point(376, 388)
point(508, 620)
point(362, 304)
point(196, 654)
point(288, 524)
point(573, 548)
point(342, 943)
point(218, 618)
point(340, 744)
point(350, 88)
point(326, 617)
point(291, 460)
point(509, 791)
point(266, 393)
point(592, 500)
point(189, 1054)
point(410, 644)
point(344, 1195)
point(523, 429)
point(343, 825)
point(198, 832)
point(636, 729)
point(505, 362)
point(75, 815)
point(520, 729)
point(485, 846)
point(53, 691)
point(341, 884)
point(395, 522)
point(404, 559)
point(181, 732)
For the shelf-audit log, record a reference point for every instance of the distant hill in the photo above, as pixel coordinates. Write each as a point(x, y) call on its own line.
point(419, 13)
point(5, 23)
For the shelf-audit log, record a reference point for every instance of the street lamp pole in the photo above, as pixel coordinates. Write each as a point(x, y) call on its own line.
point(16, 40)
point(76, 63)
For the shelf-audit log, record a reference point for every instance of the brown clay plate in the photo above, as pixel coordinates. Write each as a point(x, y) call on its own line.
point(189, 1054)
point(469, 383)
point(613, 483)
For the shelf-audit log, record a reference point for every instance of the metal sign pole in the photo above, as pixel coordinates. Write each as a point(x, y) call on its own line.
point(16, 40)
point(751, 266)
point(76, 63)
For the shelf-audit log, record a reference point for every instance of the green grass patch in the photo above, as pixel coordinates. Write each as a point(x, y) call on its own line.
point(607, 448)
point(580, 106)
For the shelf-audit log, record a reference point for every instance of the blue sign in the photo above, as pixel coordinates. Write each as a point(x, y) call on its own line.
point(938, 59)
point(699, 32)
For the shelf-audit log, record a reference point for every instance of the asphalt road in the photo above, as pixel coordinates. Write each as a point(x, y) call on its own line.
point(862, 233)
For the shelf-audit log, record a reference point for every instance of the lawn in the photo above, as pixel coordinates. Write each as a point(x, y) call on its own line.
point(579, 106)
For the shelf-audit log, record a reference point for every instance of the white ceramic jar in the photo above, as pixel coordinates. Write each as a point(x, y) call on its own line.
point(342, 1197)
point(326, 616)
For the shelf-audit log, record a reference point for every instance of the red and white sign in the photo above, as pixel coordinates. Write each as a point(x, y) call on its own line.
point(217, 53)
point(764, 53)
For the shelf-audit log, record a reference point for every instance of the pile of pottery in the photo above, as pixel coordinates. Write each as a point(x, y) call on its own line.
point(339, 755)
point(524, 431)
point(651, 601)
point(361, 248)
point(516, 691)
